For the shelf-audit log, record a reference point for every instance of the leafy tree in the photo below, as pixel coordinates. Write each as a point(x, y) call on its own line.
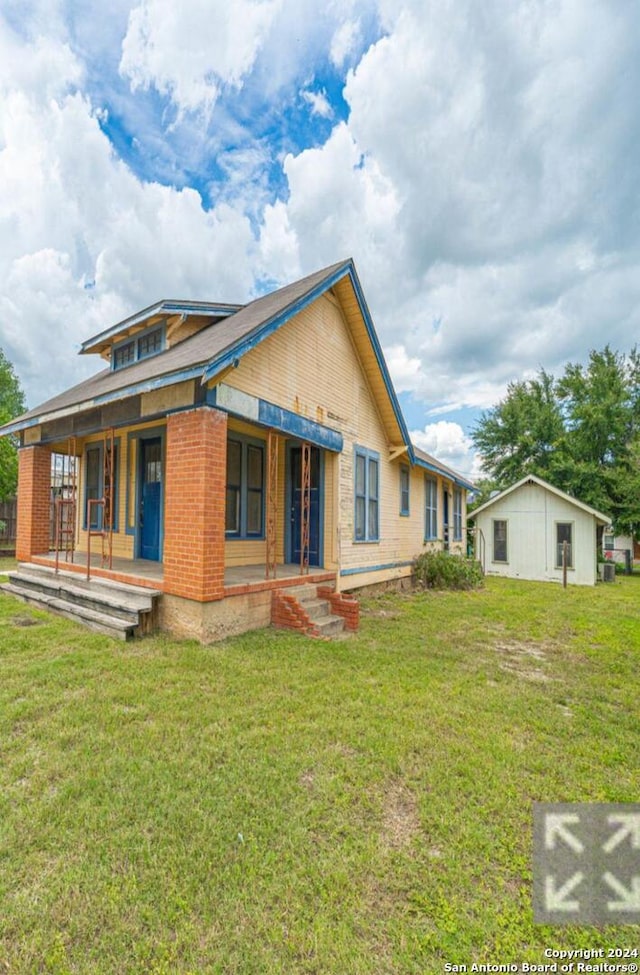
point(520, 434)
point(580, 432)
point(11, 405)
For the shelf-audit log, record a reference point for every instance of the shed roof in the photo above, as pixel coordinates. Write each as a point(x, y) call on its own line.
point(534, 479)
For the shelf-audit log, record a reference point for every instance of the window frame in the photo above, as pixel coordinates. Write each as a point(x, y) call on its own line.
point(134, 341)
point(405, 508)
point(557, 544)
point(244, 490)
point(505, 522)
point(457, 514)
point(430, 510)
point(369, 499)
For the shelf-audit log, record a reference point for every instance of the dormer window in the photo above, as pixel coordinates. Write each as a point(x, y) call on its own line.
point(143, 346)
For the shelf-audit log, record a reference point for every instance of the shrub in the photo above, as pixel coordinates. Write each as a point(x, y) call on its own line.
point(442, 570)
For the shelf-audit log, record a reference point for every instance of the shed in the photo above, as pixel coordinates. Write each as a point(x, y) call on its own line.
point(520, 533)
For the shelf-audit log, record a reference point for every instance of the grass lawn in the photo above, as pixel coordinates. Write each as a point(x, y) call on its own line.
point(279, 805)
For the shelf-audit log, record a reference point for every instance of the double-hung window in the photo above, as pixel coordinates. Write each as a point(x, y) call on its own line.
point(404, 489)
point(367, 495)
point(244, 516)
point(431, 508)
point(457, 514)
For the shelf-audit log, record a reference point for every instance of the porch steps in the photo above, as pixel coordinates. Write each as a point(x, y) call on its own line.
point(300, 608)
point(120, 610)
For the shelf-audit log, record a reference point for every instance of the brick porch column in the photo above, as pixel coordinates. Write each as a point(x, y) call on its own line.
point(194, 518)
point(34, 502)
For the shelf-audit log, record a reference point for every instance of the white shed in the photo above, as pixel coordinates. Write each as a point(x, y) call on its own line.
point(520, 533)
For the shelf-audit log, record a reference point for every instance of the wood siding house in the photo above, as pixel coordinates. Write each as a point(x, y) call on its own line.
point(520, 534)
point(236, 446)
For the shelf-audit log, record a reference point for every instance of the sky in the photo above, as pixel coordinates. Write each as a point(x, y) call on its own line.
point(479, 162)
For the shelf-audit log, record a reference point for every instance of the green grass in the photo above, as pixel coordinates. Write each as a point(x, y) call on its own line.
point(6, 564)
point(279, 805)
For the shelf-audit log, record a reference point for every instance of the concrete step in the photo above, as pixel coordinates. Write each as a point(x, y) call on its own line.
point(95, 585)
point(103, 622)
point(302, 593)
point(315, 607)
point(328, 625)
point(123, 606)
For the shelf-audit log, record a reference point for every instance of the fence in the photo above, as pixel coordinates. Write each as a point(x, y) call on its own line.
point(8, 518)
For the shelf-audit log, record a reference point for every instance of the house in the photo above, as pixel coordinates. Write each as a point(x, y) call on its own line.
point(226, 450)
point(520, 533)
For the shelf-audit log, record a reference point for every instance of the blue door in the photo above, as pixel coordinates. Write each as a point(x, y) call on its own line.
point(150, 498)
point(295, 478)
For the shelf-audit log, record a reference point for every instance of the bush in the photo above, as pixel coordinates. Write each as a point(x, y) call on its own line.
point(442, 570)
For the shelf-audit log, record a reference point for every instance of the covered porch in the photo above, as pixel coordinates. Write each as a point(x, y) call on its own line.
point(238, 579)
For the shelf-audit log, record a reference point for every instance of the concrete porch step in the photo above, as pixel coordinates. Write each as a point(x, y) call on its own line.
point(119, 609)
point(328, 625)
point(103, 622)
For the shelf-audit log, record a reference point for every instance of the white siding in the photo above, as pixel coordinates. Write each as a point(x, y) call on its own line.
point(531, 513)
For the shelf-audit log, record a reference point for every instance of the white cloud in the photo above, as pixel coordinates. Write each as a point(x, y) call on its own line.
point(72, 213)
point(403, 369)
point(344, 42)
point(448, 442)
point(192, 50)
point(319, 103)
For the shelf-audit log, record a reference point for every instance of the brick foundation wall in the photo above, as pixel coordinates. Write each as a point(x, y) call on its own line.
point(34, 502)
point(343, 606)
point(195, 485)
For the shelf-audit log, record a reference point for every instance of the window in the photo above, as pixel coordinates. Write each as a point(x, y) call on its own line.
point(124, 355)
point(500, 541)
point(457, 514)
point(147, 344)
point(244, 517)
point(150, 344)
point(94, 484)
point(564, 533)
point(431, 508)
point(608, 543)
point(404, 490)
point(367, 490)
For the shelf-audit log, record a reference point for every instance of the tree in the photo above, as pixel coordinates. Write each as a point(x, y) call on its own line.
point(11, 405)
point(580, 432)
point(520, 434)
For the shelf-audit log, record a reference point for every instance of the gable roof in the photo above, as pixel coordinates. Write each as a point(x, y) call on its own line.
point(219, 345)
point(534, 479)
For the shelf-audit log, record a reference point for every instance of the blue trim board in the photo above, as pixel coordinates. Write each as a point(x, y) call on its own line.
point(285, 421)
point(361, 569)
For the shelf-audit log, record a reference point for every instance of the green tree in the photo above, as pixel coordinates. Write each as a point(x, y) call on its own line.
point(521, 434)
point(11, 405)
point(580, 432)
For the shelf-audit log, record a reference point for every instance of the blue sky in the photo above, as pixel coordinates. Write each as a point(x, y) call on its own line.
point(479, 163)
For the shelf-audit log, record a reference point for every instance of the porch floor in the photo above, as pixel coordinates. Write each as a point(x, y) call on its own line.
point(143, 572)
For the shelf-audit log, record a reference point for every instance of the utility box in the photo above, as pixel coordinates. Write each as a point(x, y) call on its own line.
point(608, 572)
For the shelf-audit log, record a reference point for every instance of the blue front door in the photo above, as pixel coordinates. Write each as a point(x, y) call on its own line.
point(295, 477)
point(150, 498)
